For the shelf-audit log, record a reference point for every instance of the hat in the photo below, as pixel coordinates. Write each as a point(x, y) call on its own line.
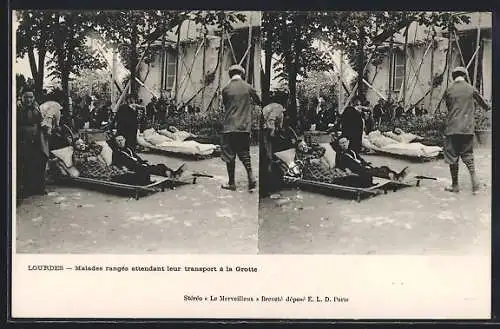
point(460, 69)
point(237, 67)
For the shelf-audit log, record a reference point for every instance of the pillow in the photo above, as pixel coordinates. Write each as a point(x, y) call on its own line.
point(402, 137)
point(286, 156)
point(329, 156)
point(392, 135)
point(65, 155)
point(65, 171)
point(141, 141)
point(167, 133)
point(107, 152)
point(73, 172)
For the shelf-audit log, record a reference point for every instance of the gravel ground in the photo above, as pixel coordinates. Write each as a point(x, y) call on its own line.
point(416, 220)
point(199, 218)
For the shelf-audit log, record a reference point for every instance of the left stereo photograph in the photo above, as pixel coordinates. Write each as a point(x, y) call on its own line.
point(135, 132)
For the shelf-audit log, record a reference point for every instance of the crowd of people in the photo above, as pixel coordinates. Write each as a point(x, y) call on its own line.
point(323, 117)
point(33, 146)
point(90, 112)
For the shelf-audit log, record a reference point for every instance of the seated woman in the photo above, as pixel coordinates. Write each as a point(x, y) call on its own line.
point(350, 161)
point(86, 160)
point(124, 157)
point(315, 167)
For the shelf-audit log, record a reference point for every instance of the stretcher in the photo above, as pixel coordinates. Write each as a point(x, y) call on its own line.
point(406, 153)
point(410, 149)
point(380, 186)
point(187, 149)
point(285, 158)
point(184, 149)
point(63, 172)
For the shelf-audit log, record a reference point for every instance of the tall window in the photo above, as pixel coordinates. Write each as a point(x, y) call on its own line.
point(169, 63)
point(398, 70)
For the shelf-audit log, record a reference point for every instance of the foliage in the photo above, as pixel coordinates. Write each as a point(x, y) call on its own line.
point(20, 83)
point(430, 127)
point(131, 31)
point(34, 38)
point(358, 34)
point(60, 36)
point(92, 82)
point(322, 84)
point(208, 123)
point(482, 119)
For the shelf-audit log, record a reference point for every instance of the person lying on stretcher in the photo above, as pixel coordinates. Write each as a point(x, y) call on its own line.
point(87, 159)
point(124, 157)
point(311, 162)
point(350, 161)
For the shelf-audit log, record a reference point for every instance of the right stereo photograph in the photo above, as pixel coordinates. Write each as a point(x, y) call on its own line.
point(376, 133)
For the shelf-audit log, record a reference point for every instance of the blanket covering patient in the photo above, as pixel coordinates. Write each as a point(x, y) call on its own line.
point(86, 158)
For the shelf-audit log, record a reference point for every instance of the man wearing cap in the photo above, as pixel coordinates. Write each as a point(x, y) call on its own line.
point(459, 132)
point(238, 98)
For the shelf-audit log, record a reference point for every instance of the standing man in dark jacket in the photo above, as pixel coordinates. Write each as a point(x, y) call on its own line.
point(352, 125)
point(238, 98)
point(127, 122)
point(378, 112)
point(459, 130)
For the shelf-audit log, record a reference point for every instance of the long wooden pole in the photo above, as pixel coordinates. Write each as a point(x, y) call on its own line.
point(341, 77)
point(478, 45)
point(391, 64)
point(432, 65)
point(231, 47)
point(190, 70)
point(127, 87)
point(448, 55)
point(162, 58)
point(462, 60)
point(405, 49)
point(221, 57)
point(203, 76)
point(249, 47)
point(114, 76)
point(177, 62)
point(417, 72)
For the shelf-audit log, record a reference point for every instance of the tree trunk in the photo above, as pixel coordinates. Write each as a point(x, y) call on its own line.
point(432, 65)
point(36, 73)
point(361, 64)
point(292, 84)
point(41, 72)
point(266, 83)
point(134, 61)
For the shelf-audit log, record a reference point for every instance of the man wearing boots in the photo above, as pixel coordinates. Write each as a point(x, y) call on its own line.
point(238, 98)
point(459, 130)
